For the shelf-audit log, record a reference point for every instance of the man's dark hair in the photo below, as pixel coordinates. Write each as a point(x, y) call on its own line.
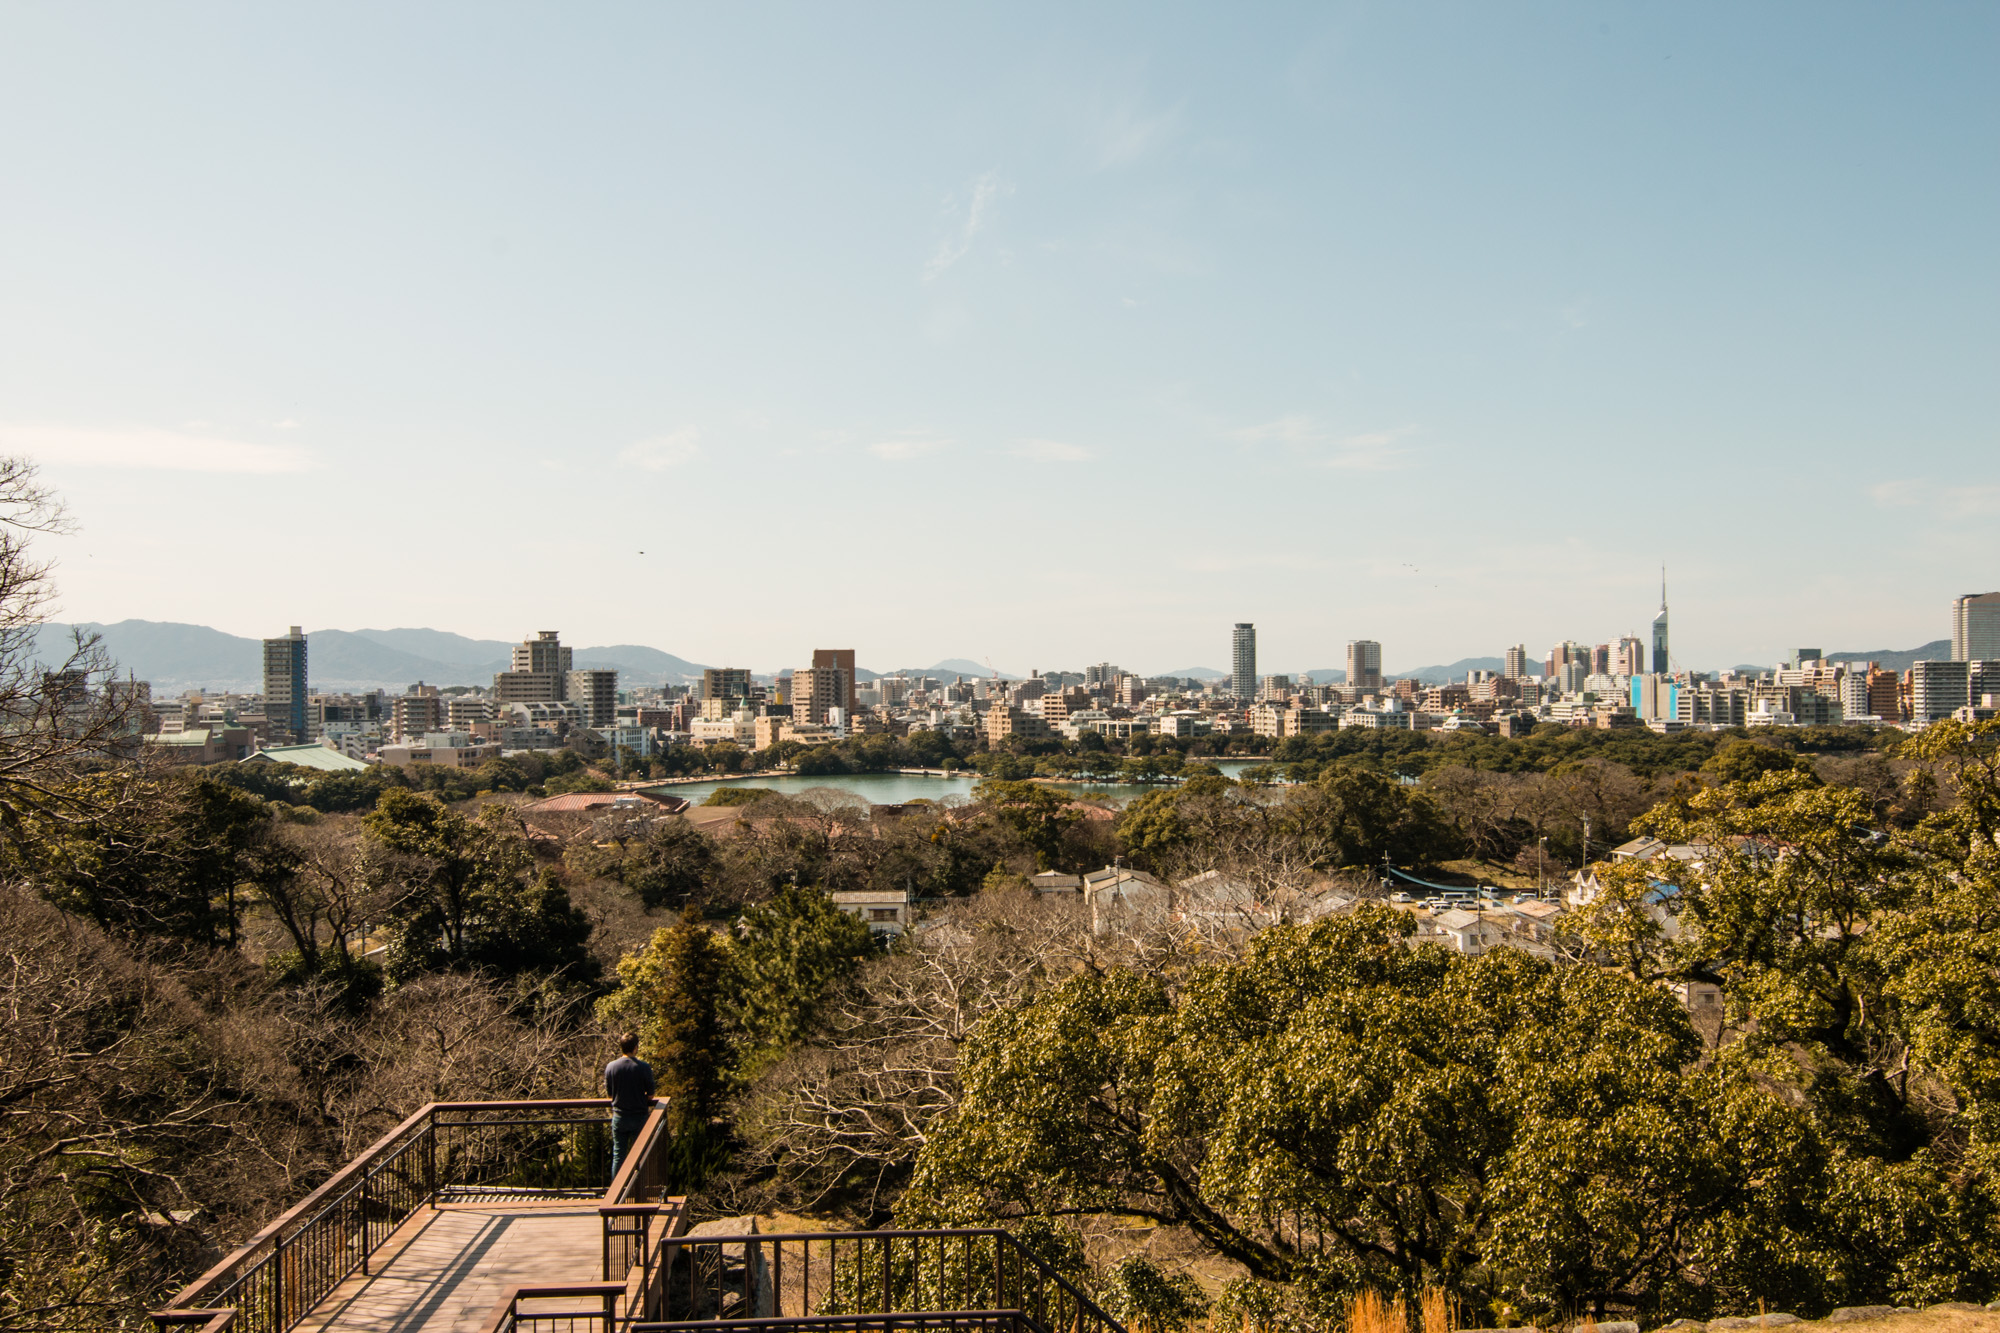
point(629, 1042)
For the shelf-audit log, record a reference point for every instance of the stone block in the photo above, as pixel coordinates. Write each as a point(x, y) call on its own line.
point(1848, 1314)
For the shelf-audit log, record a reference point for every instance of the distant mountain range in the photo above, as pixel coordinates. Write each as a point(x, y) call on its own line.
point(175, 657)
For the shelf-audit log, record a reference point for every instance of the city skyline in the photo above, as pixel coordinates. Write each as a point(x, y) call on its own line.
point(1359, 310)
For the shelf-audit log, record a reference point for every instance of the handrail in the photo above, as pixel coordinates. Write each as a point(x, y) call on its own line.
point(333, 1183)
point(904, 1272)
point(506, 1312)
point(637, 1157)
point(337, 1227)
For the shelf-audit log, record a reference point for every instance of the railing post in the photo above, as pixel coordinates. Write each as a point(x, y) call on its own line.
point(278, 1285)
point(430, 1158)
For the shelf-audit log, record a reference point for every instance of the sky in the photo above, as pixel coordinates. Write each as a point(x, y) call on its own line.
point(1048, 334)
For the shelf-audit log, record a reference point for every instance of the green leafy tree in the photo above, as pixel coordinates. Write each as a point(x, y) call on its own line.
point(1039, 816)
point(463, 893)
point(789, 950)
point(673, 992)
point(163, 857)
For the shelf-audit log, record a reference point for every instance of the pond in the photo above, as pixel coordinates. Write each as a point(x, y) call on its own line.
point(895, 788)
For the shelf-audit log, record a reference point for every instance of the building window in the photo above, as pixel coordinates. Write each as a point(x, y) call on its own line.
point(881, 914)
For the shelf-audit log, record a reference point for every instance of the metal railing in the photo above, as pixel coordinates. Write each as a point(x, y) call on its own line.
point(916, 1321)
point(600, 1316)
point(799, 1280)
point(446, 1153)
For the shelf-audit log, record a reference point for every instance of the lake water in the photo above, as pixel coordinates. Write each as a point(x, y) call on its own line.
point(895, 788)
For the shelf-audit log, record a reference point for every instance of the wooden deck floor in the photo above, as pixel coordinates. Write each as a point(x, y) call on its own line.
point(444, 1270)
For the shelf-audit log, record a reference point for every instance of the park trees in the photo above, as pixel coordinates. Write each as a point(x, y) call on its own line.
point(464, 893)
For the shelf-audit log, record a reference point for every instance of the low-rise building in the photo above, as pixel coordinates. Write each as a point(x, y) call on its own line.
point(444, 749)
point(887, 911)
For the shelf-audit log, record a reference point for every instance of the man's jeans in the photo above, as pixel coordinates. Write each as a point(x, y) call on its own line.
point(625, 1127)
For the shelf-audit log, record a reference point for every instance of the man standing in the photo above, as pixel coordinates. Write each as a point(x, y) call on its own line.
point(629, 1081)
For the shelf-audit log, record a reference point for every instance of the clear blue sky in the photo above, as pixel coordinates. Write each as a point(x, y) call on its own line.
point(1054, 333)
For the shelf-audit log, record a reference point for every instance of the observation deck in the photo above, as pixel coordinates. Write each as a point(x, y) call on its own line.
point(503, 1217)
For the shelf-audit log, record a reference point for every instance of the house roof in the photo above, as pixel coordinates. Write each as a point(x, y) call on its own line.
point(1457, 919)
point(307, 756)
point(866, 897)
point(598, 800)
point(1051, 881)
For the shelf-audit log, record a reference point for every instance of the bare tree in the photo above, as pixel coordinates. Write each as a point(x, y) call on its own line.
point(53, 715)
point(857, 1104)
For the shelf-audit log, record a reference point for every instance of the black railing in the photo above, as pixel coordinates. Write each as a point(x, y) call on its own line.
point(588, 1307)
point(915, 1321)
point(800, 1280)
point(448, 1152)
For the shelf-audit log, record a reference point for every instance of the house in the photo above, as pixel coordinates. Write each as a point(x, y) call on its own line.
point(1219, 901)
point(202, 745)
point(887, 911)
point(1052, 881)
point(1471, 933)
point(1127, 899)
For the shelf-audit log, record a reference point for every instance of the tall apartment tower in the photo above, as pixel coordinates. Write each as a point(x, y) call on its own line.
point(1364, 662)
point(1975, 627)
point(1660, 629)
point(285, 688)
point(539, 672)
point(1243, 661)
point(1517, 662)
point(816, 689)
point(841, 660)
point(597, 691)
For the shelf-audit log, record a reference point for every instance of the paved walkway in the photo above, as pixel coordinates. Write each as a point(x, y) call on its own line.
point(444, 1271)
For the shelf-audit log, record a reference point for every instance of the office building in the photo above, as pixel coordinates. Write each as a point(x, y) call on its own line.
point(1364, 662)
point(597, 691)
point(1517, 662)
point(1975, 627)
point(1273, 687)
point(1630, 657)
point(285, 688)
point(841, 660)
point(725, 683)
point(1938, 689)
point(1243, 661)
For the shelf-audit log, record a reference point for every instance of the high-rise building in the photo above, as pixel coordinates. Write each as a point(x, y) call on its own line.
point(544, 654)
point(1660, 656)
point(416, 714)
point(816, 689)
point(539, 674)
point(1517, 662)
point(1243, 662)
point(285, 688)
point(725, 683)
point(1938, 689)
point(1630, 657)
point(1275, 687)
point(597, 691)
point(841, 660)
point(1364, 662)
point(1975, 627)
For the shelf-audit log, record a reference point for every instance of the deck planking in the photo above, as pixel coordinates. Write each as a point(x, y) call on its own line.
point(445, 1269)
